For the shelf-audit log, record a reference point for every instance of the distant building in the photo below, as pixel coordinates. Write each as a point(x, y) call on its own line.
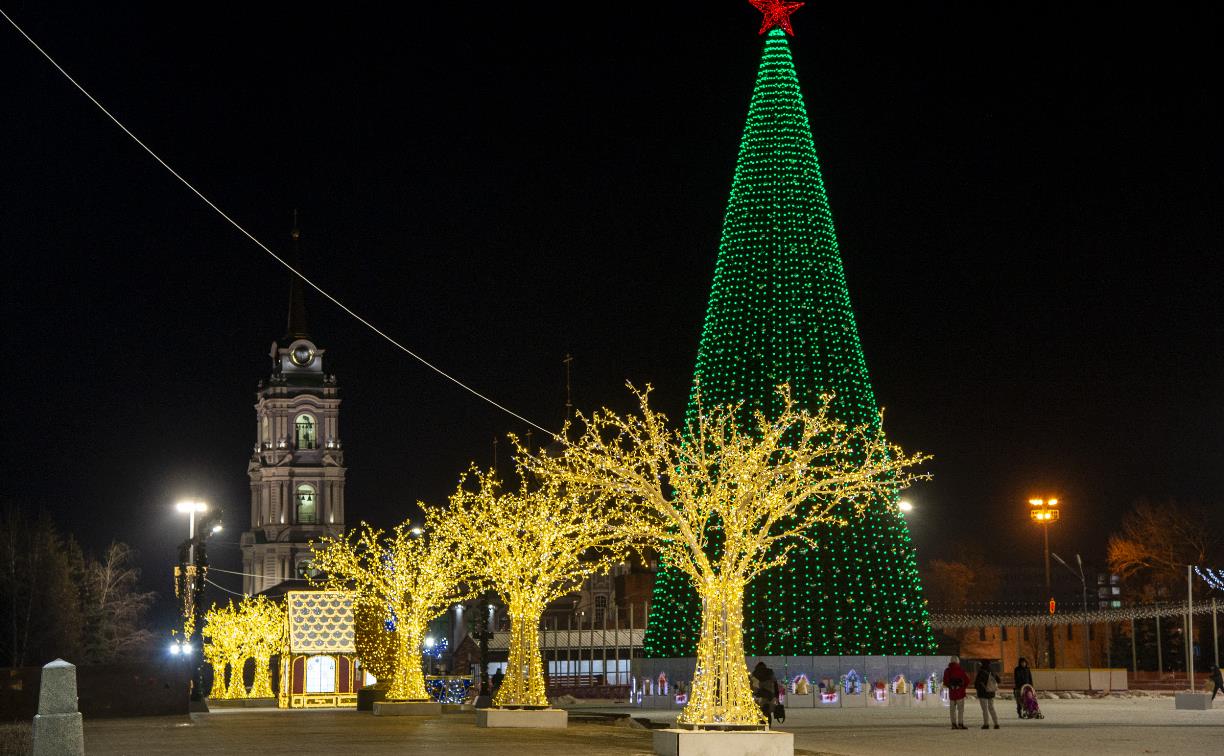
point(297, 466)
point(1027, 596)
point(1109, 591)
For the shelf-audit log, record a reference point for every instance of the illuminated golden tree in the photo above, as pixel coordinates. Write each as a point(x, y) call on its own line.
point(408, 575)
point(532, 546)
point(264, 627)
point(255, 628)
point(723, 505)
point(224, 647)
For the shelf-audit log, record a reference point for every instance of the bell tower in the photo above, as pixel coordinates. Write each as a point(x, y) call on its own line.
point(297, 466)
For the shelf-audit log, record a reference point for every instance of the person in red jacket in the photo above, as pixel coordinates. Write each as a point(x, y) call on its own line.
point(957, 682)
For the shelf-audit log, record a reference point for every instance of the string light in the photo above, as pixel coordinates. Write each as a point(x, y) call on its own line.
point(1214, 578)
point(448, 690)
point(375, 641)
point(759, 491)
point(413, 577)
point(780, 312)
point(531, 546)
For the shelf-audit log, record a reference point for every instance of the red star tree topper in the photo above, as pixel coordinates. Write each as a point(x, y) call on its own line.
point(777, 13)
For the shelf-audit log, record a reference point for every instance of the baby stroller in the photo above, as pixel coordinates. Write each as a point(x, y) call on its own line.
point(1029, 708)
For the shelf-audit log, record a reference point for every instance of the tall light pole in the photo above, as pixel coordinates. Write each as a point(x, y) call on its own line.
point(189, 585)
point(1084, 584)
point(1043, 512)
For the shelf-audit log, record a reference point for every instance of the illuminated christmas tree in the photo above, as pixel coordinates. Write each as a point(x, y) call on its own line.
point(779, 312)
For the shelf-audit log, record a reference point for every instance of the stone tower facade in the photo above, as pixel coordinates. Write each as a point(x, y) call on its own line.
point(297, 466)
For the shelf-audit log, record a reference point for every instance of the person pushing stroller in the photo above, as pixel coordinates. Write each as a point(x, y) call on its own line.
point(1021, 676)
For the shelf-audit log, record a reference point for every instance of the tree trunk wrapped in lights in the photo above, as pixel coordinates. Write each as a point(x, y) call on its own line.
point(237, 685)
point(531, 546)
point(526, 688)
point(408, 577)
point(724, 505)
point(217, 662)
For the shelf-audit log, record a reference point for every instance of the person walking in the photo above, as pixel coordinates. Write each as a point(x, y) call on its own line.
point(987, 685)
point(764, 689)
point(1021, 676)
point(1217, 680)
point(957, 682)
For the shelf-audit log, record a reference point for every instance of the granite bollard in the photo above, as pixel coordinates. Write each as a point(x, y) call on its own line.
point(57, 725)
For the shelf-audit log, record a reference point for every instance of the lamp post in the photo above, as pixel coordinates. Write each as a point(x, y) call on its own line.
point(1084, 584)
point(483, 634)
point(189, 585)
point(1043, 512)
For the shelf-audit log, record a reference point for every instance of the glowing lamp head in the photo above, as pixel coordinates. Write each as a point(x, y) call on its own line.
point(905, 506)
point(429, 642)
point(175, 649)
point(417, 530)
point(216, 528)
point(191, 506)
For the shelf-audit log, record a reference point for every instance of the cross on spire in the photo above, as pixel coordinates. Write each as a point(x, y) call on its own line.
point(777, 13)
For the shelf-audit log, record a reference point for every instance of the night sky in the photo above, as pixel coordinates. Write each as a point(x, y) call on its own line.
point(1028, 200)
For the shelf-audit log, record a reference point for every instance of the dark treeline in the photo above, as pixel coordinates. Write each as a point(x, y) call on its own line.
point(57, 601)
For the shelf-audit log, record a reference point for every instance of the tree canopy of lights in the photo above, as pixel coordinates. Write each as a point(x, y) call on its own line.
point(757, 493)
point(532, 545)
point(780, 312)
point(409, 575)
point(254, 628)
point(375, 641)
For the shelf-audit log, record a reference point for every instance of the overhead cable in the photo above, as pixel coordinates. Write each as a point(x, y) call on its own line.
point(263, 246)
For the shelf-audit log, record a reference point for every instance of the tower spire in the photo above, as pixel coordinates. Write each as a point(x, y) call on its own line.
point(297, 294)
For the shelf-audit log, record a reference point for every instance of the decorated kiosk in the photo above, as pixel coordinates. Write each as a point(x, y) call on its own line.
point(320, 668)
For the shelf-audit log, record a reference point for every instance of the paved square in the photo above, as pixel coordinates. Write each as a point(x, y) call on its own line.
point(271, 732)
point(1079, 727)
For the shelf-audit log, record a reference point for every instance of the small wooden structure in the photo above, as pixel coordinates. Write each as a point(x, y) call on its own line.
point(320, 669)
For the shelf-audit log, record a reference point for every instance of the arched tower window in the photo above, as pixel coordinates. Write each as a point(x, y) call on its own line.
point(307, 514)
point(305, 434)
point(601, 608)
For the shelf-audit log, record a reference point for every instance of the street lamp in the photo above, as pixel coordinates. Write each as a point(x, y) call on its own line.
point(1084, 584)
point(191, 507)
point(905, 506)
point(1043, 512)
point(190, 575)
